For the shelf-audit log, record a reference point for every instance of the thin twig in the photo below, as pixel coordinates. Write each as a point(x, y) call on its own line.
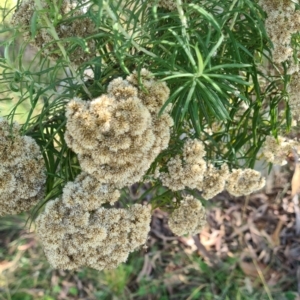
point(53, 32)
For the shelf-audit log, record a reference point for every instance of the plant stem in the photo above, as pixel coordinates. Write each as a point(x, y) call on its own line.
point(182, 19)
point(123, 31)
point(54, 34)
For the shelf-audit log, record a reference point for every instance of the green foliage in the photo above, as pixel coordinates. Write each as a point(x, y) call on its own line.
point(210, 53)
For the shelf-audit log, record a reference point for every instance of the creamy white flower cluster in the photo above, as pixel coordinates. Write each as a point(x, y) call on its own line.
point(22, 170)
point(187, 170)
point(281, 23)
point(189, 218)
point(81, 26)
point(277, 151)
point(167, 4)
point(76, 231)
point(244, 182)
point(190, 170)
point(118, 135)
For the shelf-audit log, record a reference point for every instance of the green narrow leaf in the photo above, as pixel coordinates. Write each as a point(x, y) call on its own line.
point(233, 43)
point(185, 48)
point(288, 117)
point(229, 66)
point(215, 102)
point(216, 86)
point(33, 23)
point(236, 79)
point(193, 110)
point(255, 122)
point(254, 77)
point(202, 107)
point(177, 110)
point(189, 97)
point(178, 75)
point(14, 87)
point(255, 149)
point(172, 97)
point(213, 50)
point(200, 61)
point(207, 15)
point(240, 140)
point(97, 70)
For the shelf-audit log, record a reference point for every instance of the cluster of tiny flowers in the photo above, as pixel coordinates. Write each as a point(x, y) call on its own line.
point(277, 151)
point(190, 170)
point(81, 27)
point(186, 170)
point(214, 181)
point(215, 127)
point(118, 135)
point(244, 182)
point(76, 232)
point(154, 98)
point(88, 193)
point(167, 4)
point(22, 170)
point(189, 218)
point(282, 21)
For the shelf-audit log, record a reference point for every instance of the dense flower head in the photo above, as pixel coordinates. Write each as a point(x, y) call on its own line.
point(189, 218)
point(22, 170)
point(155, 93)
point(190, 170)
point(116, 136)
point(244, 182)
point(214, 181)
point(153, 96)
point(75, 193)
point(282, 21)
point(186, 170)
point(101, 239)
point(277, 151)
point(81, 26)
point(167, 4)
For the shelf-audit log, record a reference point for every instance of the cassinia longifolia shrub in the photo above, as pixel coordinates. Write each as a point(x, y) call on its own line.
point(174, 99)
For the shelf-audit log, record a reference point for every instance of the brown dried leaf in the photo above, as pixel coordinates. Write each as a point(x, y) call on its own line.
point(252, 269)
point(275, 235)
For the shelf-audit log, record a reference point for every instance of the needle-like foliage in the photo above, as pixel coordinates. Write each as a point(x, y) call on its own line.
point(224, 89)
